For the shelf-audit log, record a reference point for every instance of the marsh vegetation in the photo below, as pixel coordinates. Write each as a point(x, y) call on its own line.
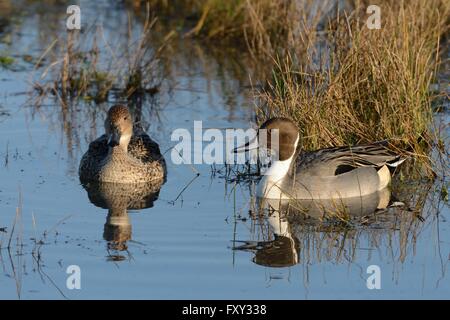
point(320, 64)
point(228, 63)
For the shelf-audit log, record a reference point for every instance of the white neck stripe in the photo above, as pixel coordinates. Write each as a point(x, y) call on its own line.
point(269, 186)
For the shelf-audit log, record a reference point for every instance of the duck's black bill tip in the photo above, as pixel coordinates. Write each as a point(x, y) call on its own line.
point(244, 148)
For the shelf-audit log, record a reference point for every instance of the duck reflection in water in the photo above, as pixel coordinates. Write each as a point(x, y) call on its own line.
point(287, 219)
point(118, 198)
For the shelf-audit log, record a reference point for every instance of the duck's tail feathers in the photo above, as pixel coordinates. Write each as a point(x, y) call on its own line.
point(396, 163)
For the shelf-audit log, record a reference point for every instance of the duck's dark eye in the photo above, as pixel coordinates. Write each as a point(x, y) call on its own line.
point(125, 118)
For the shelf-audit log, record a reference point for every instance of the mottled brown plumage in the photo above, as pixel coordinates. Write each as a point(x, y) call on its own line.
point(122, 155)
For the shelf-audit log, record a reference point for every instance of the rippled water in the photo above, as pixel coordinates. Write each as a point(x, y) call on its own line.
point(181, 245)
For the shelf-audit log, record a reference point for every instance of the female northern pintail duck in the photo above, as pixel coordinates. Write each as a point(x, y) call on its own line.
point(123, 154)
point(339, 172)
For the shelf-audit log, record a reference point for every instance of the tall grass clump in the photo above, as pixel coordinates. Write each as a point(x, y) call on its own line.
point(359, 85)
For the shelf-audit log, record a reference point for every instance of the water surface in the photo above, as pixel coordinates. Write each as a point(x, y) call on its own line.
point(181, 244)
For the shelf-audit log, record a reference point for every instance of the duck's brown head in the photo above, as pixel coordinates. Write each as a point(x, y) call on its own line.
point(280, 135)
point(119, 126)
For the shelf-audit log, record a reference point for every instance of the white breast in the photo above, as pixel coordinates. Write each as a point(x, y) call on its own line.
point(270, 185)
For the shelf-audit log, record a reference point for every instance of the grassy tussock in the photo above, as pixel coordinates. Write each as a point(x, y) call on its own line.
point(342, 82)
point(361, 85)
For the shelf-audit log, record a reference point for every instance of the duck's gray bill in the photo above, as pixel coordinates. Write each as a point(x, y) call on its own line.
point(251, 145)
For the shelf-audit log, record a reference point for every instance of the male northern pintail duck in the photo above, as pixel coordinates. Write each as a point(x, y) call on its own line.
point(338, 172)
point(123, 154)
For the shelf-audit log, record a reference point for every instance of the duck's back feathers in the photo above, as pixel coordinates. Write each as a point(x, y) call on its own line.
point(339, 172)
point(143, 148)
point(339, 160)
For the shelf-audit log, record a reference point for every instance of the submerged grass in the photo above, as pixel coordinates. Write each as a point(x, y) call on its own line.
point(6, 61)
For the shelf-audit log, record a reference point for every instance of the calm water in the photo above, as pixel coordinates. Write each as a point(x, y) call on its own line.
point(181, 246)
